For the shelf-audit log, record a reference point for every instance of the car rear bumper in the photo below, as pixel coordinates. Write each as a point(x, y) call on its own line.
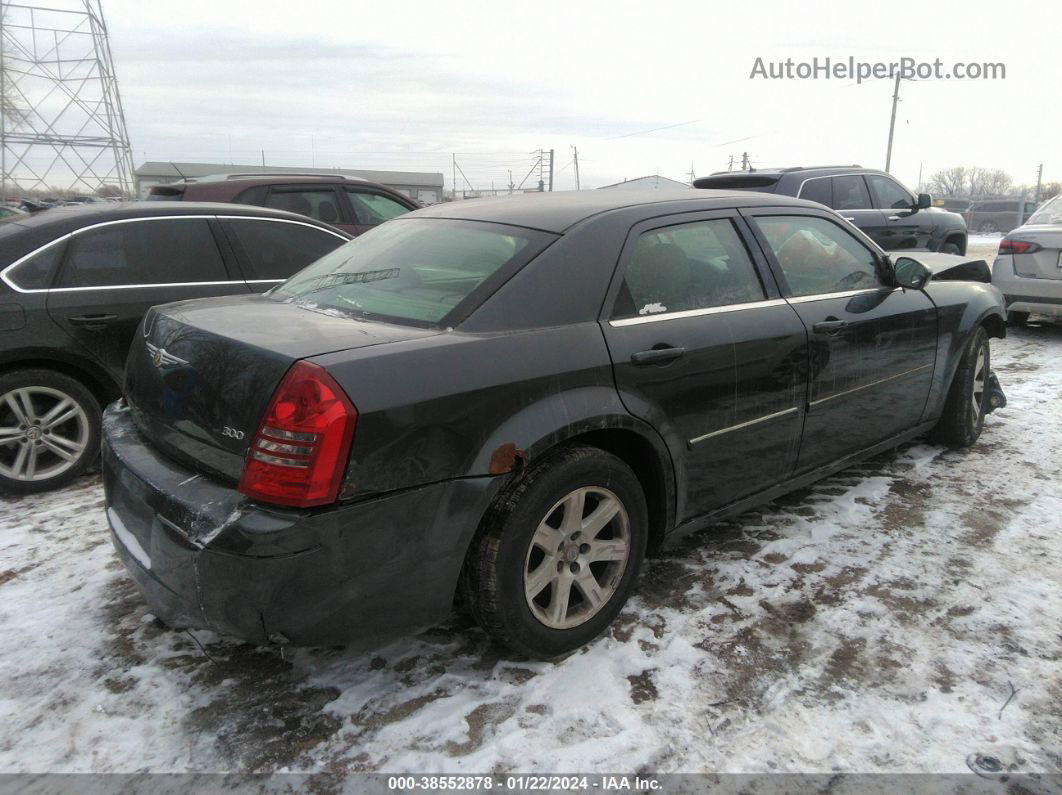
point(205, 556)
point(1022, 294)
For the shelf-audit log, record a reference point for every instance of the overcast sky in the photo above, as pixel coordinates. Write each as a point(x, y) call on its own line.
point(402, 85)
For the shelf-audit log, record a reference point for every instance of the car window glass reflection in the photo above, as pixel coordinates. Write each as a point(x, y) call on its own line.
point(688, 266)
point(818, 256)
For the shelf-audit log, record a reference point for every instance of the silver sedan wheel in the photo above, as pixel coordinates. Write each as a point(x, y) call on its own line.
point(577, 557)
point(43, 432)
point(977, 392)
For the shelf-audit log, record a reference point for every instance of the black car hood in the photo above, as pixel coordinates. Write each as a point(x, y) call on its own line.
point(955, 267)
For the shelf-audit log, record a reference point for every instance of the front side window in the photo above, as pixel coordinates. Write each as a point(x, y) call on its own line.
point(850, 193)
point(162, 251)
point(417, 270)
point(275, 250)
point(318, 203)
point(817, 256)
point(694, 265)
point(890, 195)
point(372, 208)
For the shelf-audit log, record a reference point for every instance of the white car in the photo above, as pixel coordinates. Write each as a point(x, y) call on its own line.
point(1028, 268)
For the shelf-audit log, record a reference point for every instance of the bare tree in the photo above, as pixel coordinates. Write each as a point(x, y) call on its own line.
point(949, 182)
point(988, 182)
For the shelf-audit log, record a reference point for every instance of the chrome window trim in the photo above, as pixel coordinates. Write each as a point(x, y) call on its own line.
point(711, 310)
point(806, 299)
point(7, 280)
point(747, 424)
point(879, 382)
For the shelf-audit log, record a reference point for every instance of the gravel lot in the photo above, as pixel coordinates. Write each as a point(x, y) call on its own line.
point(898, 617)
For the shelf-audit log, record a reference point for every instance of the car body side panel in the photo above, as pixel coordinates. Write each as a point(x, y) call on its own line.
point(961, 308)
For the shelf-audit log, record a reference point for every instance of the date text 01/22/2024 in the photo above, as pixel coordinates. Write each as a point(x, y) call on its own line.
point(531, 783)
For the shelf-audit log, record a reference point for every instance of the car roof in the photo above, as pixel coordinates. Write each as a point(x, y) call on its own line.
point(253, 178)
point(60, 220)
point(557, 212)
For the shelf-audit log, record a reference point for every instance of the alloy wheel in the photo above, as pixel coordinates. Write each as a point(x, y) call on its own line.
point(977, 391)
point(577, 557)
point(43, 433)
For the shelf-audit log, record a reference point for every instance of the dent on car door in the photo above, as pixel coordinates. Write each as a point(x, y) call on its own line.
point(112, 273)
point(705, 351)
point(872, 347)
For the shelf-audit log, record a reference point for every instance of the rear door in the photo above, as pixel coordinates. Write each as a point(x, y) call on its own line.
point(270, 250)
point(872, 347)
point(907, 229)
point(704, 349)
point(113, 272)
point(848, 195)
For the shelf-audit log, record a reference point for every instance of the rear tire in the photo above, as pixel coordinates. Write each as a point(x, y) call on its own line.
point(988, 228)
point(1017, 318)
point(964, 410)
point(558, 553)
point(49, 430)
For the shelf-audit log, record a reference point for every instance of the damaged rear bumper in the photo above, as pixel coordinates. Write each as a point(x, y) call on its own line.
point(205, 556)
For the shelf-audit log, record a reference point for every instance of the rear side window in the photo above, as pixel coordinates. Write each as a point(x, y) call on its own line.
point(275, 250)
point(417, 270)
point(160, 251)
point(36, 272)
point(688, 266)
point(818, 256)
point(319, 203)
point(850, 193)
point(372, 208)
point(817, 190)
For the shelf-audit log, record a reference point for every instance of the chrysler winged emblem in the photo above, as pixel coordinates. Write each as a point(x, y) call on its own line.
point(160, 358)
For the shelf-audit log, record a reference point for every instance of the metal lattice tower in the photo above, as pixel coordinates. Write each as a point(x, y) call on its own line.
point(62, 127)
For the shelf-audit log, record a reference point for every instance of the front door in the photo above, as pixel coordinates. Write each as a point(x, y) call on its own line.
point(908, 227)
point(705, 350)
point(872, 346)
point(113, 272)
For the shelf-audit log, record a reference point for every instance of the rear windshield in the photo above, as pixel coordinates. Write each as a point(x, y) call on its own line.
point(1050, 212)
point(424, 271)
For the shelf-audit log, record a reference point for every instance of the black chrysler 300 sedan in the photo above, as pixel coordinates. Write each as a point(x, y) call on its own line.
point(512, 400)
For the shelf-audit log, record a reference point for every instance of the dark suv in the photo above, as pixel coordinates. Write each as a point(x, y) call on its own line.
point(353, 204)
point(74, 284)
point(998, 215)
point(874, 201)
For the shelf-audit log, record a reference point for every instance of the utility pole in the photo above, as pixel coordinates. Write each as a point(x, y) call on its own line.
point(745, 166)
point(453, 184)
point(551, 170)
point(1039, 181)
point(511, 184)
point(263, 157)
point(730, 165)
point(575, 162)
point(892, 122)
point(693, 176)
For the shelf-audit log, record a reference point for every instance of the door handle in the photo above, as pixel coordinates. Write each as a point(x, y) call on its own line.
point(92, 322)
point(657, 355)
point(894, 218)
point(848, 218)
point(829, 326)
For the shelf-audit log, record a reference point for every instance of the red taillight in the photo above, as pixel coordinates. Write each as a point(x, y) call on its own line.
point(300, 451)
point(1008, 246)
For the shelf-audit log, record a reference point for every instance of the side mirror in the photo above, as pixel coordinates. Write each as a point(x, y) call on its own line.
point(910, 273)
point(924, 201)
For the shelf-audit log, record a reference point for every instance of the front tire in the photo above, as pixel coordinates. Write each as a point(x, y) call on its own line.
point(950, 248)
point(964, 410)
point(49, 430)
point(558, 553)
point(988, 228)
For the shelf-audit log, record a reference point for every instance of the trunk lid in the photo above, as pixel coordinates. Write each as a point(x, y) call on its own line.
point(201, 373)
point(1045, 263)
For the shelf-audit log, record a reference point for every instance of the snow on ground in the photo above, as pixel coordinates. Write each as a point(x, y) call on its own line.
point(874, 622)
